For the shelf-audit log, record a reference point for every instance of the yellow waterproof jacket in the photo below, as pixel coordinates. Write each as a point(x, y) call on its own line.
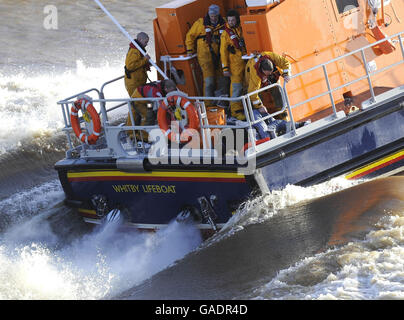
point(253, 79)
point(195, 40)
point(230, 55)
point(137, 65)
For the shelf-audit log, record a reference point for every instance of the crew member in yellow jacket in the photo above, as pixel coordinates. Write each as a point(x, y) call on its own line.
point(261, 71)
point(140, 112)
point(232, 49)
point(204, 39)
point(136, 65)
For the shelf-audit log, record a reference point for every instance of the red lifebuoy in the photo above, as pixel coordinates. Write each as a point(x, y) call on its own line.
point(86, 107)
point(184, 104)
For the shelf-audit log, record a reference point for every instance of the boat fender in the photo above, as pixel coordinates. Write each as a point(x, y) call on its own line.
point(89, 115)
point(170, 105)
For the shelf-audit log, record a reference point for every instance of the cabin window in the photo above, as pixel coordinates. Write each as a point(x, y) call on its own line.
point(346, 5)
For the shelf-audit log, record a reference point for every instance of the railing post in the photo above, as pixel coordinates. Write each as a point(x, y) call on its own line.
point(289, 109)
point(103, 107)
point(368, 75)
point(401, 44)
point(65, 111)
point(329, 90)
point(132, 118)
point(247, 105)
point(205, 132)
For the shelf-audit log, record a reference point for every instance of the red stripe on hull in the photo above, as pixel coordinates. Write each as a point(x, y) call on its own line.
point(232, 180)
point(383, 165)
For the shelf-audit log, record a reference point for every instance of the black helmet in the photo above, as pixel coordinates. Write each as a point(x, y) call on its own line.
point(234, 13)
point(266, 65)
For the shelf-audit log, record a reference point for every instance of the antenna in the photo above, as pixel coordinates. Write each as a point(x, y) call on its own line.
point(129, 37)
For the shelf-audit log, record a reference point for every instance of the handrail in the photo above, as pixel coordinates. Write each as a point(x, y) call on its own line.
point(248, 95)
point(103, 105)
point(112, 132)
point(349, 54)
point(124, 101)
point(109, 82)
point(245, 99)
point(368, 75)
point(168, 58)
point(78, 94)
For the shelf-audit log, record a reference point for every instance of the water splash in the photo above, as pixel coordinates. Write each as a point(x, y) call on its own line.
point(262, 208)
point(28, 108)
point(96, 266)
point(36, 262)
point(26, 204)
point(368, 269)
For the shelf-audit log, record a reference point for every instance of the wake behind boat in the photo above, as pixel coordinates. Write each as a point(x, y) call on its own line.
point(204, 164)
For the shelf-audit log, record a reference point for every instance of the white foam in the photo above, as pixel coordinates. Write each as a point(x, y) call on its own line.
point(369, 269)
point(28, 102)
point(27, 203)
point(100, 265)
point(262, 208)
point(36, 264)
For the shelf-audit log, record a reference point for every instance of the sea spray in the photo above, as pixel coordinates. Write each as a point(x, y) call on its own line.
point(28, 107)
point(26, 204)
point(368, 269)
point(262, 208)
point(98, 265)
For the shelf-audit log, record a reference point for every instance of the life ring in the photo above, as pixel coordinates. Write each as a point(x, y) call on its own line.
point(163, 120)
point(87, 109)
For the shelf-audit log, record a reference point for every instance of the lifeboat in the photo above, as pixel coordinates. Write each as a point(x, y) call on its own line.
point(351, 89)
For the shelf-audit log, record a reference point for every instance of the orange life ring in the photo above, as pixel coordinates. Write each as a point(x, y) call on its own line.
point(163, 120)
point(387, 46)
point(86, 107)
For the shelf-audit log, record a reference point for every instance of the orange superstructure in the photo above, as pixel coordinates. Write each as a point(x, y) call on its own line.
point(308, 33)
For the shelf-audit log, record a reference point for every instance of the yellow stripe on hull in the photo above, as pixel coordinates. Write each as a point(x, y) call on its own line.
point(374, 165)
point(155, 174)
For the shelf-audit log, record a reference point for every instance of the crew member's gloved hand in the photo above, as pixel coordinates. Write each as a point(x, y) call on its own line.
point(286, 78)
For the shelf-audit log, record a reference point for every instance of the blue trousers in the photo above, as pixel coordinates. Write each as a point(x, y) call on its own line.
point(269, 128)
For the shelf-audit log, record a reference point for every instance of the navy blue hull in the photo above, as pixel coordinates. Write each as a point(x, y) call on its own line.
point(346, 146)
point(155, 198)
